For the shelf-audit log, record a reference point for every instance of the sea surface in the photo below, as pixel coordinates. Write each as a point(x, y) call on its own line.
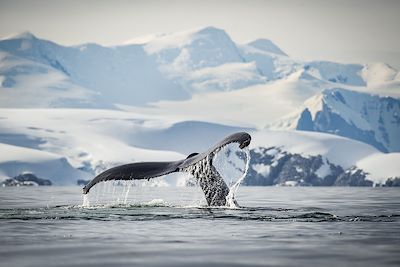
point(171, 226)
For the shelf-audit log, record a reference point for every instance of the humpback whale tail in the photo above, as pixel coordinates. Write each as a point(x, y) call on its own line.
point(198, 164)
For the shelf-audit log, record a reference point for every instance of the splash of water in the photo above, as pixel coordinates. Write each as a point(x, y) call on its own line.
point(230, 198)
point(127, 191)
point(86, 202)
point(116, 192)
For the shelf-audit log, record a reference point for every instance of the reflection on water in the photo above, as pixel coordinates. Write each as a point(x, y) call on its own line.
point(44, 226)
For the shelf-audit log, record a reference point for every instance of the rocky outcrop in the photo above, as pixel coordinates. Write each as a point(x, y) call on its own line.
point(393, 181)
point(82, 182)
point(353, 177)
point(27, 179)
point(273, 166)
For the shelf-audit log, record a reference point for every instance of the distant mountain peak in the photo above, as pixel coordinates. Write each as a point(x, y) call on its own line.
point(267, 46)
point(177, 36)
point(379, 73)
point(21, 35)
point(211, 30)
point(365, 117)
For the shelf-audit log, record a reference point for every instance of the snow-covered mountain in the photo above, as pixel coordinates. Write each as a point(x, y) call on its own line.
point(161, 67)
point(171, 67)
point(110, 75)
point(160, 97)
point(368, 118)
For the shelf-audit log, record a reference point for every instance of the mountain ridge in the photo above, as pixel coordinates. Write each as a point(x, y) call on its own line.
point(361, 116)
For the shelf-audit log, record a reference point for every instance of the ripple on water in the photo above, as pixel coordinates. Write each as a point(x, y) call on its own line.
point(160, 210)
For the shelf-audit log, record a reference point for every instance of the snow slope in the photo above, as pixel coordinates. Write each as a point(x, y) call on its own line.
point(253, 106)
point(118, 74)
point(90, 139)
point(40, 84)
point(266, 46)
point(15, 160)
point(361, 116)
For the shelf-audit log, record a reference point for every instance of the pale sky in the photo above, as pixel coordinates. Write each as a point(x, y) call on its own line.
point(358, 31)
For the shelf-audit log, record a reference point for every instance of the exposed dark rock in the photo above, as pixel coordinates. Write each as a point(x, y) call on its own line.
point(8, 82)
point(82, 182)
point(272, 166)
point(305, 122)
point(353, 177)
point(393, 181)
point(27, 179)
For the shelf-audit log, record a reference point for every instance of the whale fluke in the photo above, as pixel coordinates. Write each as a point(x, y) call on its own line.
point(198, 164)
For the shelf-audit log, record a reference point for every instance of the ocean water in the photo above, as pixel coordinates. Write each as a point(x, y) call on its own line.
point(171, 226)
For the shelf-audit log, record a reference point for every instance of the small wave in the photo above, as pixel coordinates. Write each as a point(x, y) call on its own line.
point(316, 215)
point(152, 203)
point(158, 209)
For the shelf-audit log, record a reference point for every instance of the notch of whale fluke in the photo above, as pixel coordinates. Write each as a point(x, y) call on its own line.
point(197, 164)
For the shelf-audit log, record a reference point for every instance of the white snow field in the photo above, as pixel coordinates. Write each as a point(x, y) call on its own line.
point(87, 137)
